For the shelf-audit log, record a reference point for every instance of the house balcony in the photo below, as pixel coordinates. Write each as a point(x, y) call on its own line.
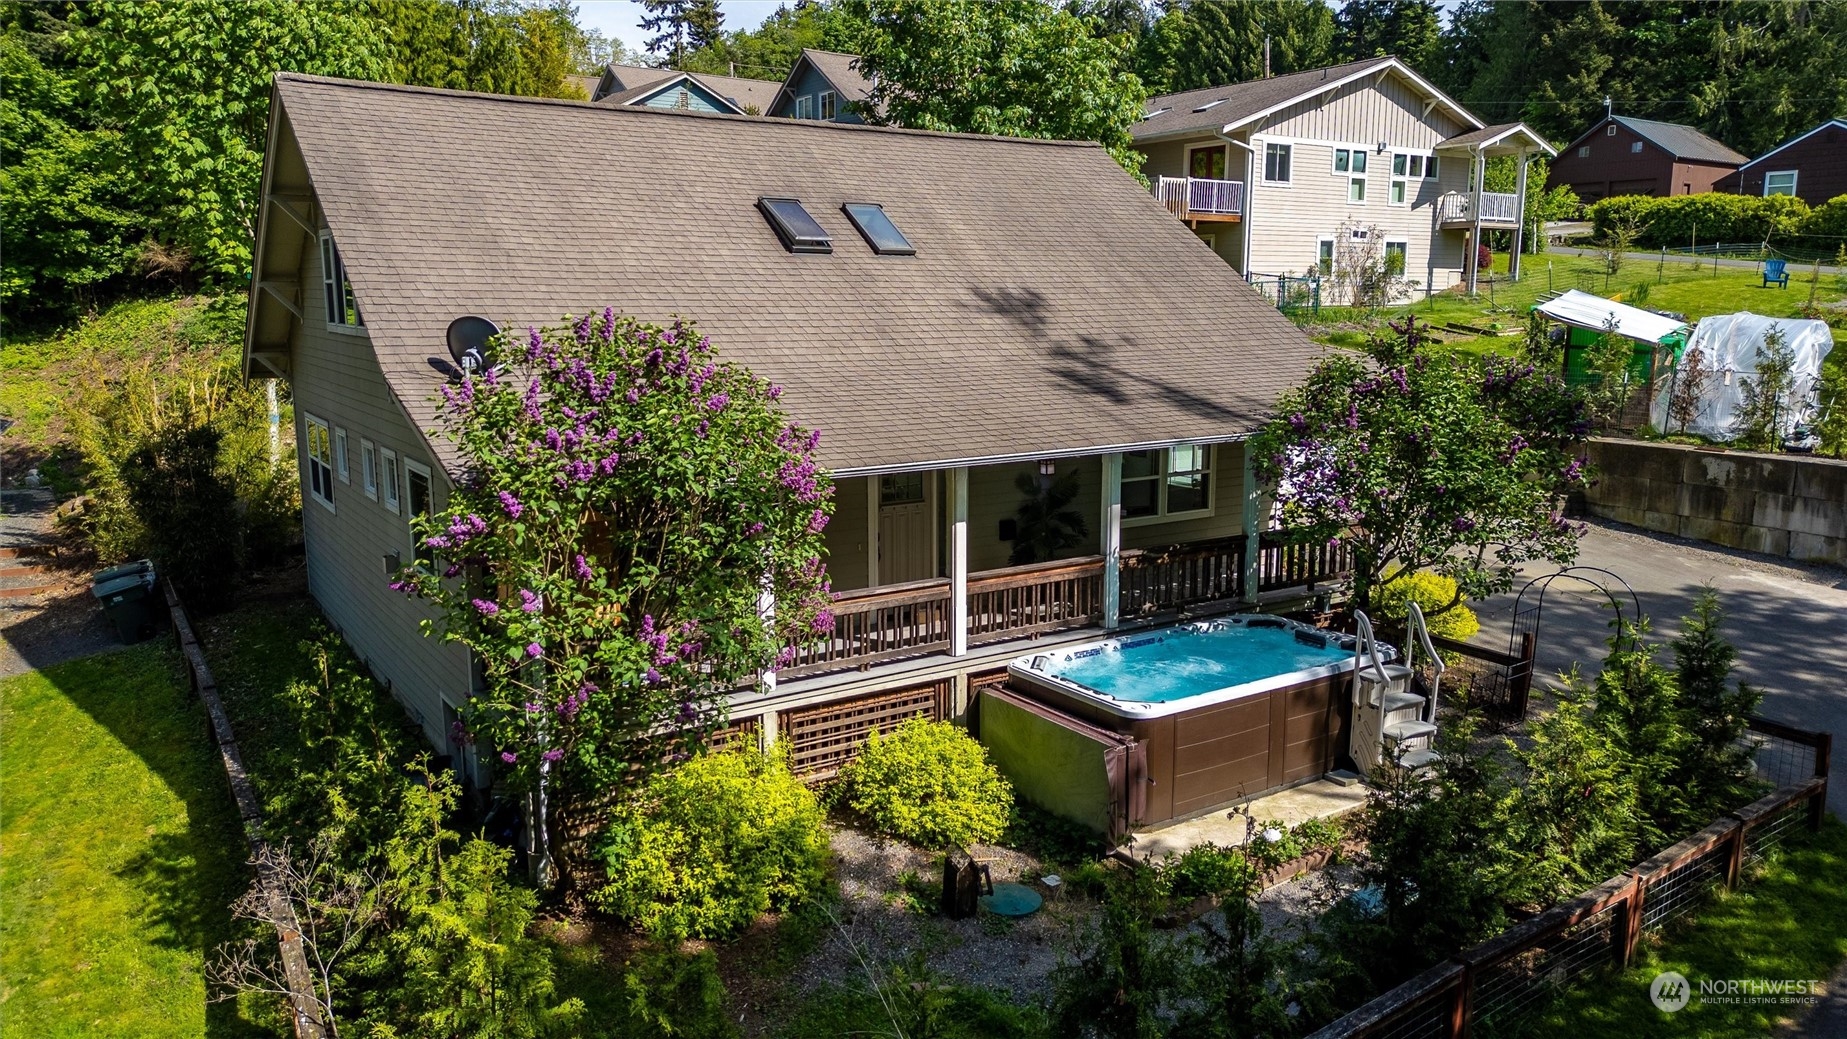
point(1497, 210)
point(889, 623)
point(1196, 199)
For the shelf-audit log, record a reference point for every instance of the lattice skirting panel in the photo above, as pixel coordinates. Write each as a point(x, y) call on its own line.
point(824, 737)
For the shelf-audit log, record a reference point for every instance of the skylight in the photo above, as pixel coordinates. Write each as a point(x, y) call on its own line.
point(800, 233)
point(878, 230)
point(1212, 104)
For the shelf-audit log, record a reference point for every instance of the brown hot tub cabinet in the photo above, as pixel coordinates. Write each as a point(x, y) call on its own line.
point(1200, 758)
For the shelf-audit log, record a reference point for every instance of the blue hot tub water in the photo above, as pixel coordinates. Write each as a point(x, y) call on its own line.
point(1183, 662)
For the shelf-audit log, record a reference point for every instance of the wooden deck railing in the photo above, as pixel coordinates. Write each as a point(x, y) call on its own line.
point(874, 624)
point(1195, 197)
point(1496, 208)
point(1159, 579)
point(910, 620)
point(1284, 564)
point(1035, 598)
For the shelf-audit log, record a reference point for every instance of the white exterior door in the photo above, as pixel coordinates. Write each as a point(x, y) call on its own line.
point(907, 536)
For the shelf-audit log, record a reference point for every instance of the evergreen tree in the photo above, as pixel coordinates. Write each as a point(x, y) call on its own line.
point(1638, 708)
point(1205, 44)
point(1717, 771)
point(1764, 405)
point(1409, 29)
point(681, 27)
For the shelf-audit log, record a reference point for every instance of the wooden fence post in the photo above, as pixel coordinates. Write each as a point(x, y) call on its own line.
point(1462, 1005)
point(1734, 856)
point(1632, 918)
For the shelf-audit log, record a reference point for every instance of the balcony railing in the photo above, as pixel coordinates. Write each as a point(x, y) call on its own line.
point(1196, 198)
point(1496, 208)
point(874, 625)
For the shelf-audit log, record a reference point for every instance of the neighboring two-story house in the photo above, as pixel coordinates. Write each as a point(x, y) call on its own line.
point(686, 91)
point(1811, 166)
point(954, 329)
point(823, 85)
point(1289, 174)
point(1622, 155)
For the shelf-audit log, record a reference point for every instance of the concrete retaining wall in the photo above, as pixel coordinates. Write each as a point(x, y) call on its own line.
point(1779, 505)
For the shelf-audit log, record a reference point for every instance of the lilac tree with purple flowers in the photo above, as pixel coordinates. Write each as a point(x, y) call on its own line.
point(636, 531)
point(1428, 461)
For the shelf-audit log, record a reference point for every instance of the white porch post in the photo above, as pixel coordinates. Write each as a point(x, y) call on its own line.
point(1112, 539)
point(766, 609)
point(958, 561)
point(872, 532)
point(1253, 523)
point(1478, 167)
point(1519, 218)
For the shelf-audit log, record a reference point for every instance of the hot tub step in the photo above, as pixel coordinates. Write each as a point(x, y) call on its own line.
point(1418, 758)
point(1394, 673)
point(1398, 701)
point(1398, 732)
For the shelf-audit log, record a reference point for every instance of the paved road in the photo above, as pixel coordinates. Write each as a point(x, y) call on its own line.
point(1788, 621)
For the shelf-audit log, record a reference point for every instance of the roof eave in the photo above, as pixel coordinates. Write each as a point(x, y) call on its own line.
point(1017, 457)
point(1462, 114)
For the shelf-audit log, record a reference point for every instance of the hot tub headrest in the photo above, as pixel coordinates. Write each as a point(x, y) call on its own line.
point(1312, 638)
point(1267, 622)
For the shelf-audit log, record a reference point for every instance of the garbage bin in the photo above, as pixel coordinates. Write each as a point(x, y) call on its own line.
point(127, 597)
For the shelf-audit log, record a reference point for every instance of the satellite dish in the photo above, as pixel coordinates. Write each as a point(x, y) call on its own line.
point(468, 338)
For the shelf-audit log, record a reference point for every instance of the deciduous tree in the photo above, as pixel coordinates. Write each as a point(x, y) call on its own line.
point(1427, 461)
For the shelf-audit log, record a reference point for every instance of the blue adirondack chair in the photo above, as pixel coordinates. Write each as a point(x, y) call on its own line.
point(1777, 271)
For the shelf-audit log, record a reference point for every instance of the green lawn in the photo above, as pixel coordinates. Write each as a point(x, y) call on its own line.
point(1789, 923)
point(120, 852)
point(1678, 287)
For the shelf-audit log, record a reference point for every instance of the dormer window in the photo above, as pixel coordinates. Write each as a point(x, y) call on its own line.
point(878, 230)
point(800, 233)
point(342, 307)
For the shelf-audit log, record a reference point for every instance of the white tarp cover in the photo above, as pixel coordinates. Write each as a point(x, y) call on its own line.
point(1732, 342)
point(1587, 311)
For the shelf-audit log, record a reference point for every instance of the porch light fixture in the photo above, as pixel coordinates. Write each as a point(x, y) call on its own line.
point(1048, 467)
point(1382, 147)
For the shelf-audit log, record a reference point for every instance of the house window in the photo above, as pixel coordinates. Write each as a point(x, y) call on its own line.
point(339, 453)
point(1430, 168)
point(1167, 484)
point(1324, 256)
point(827, 104)
point(368, 468)
point(1349, 160)
point(1401, 170)
point(342, 307)
point(388, 478)
point(1356, 190)
point(1396, 256)
point(1782, 182)
point(1207, 163)
point(320, 462)
point(417, 503)
point(804, 107)
point(1635, 147)
point(1610, 130)
point(902, 489)
point(1583, 151)
point(1276, 163)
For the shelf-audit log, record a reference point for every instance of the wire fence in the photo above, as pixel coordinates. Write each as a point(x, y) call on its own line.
point(1496, 986)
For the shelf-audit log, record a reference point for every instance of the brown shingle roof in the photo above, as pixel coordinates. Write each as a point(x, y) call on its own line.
point(752, 96)
point(1052, 307)
point(1176, 113)
point(842, 72)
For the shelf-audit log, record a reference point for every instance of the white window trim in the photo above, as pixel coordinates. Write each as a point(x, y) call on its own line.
point(341, 462)
point(334, 280)
point(389, 480)
point(1610, 130)
point(1327, 240)
point(424, 471)
point(1583, 151)
point(1350, 151)
point(804, 107)
point(1160, 481)
point(1264, 160)
point(368, 468)
point(1359, 179)
point(1406, 243)
point(824, 100)
point(1778, 173)
point(309, 425)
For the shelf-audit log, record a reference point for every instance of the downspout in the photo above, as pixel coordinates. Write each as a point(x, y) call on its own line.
point(1250, 190)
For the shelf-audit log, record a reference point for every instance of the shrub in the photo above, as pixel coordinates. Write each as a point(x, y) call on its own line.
point(929, 783)
point(1828, 220)
point(671, 993)
point(1431, 592)
point(713, 844)
point(1207, 869)
point(1703, 219)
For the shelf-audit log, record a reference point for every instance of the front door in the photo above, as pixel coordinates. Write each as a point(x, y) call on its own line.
point(907, 542)
point(1207, 163)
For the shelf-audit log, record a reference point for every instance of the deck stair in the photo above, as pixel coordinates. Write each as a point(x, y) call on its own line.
point(1394, 708)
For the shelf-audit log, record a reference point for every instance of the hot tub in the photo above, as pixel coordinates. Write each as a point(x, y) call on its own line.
point(1228, 709)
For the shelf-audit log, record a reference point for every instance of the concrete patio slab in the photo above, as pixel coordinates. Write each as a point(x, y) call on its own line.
point(1321, 799)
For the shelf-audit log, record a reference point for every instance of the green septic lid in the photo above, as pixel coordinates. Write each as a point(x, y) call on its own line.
point(114, 587)
point(1012, 900)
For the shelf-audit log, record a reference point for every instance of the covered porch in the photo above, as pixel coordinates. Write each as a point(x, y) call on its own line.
point(928, 563)
point(1477, 210)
